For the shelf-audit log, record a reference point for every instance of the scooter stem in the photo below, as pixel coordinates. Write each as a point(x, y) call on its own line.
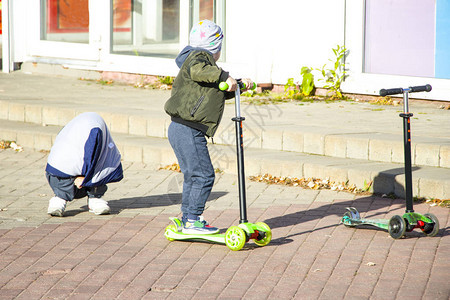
point(240, 157)
point(406, 115)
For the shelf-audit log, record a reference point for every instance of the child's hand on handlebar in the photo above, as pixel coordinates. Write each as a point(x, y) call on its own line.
point(232, 84)
point(248, 83)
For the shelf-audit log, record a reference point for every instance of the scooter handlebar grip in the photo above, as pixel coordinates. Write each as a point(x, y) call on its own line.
point(420, 88)
point(387, 92)
point(223, 86)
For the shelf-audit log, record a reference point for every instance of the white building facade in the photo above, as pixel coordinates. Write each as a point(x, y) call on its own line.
point(390, 43)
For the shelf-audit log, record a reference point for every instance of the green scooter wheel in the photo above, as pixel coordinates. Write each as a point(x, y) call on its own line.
point(235, 238)
point(431, 229)
point(397, 227)
point(170, 228)
point(268, 236)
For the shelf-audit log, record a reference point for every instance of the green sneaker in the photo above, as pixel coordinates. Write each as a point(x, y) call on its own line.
point(199, 226)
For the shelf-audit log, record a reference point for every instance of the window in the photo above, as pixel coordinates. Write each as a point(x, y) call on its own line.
point(408, 37)
point(65, 20)
point(146, 27)
point(155, 27)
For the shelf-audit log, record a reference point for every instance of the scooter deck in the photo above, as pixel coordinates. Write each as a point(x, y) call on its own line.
point(176, 234)
point(352, 218)
point(380, 223)
point(179, 236)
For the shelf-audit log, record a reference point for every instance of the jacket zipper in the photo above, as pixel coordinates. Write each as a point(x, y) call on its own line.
point(218, 122)
point(197, 105)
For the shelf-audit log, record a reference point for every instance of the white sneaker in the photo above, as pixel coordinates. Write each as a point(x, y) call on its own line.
point(98, 206)
point(56, 207)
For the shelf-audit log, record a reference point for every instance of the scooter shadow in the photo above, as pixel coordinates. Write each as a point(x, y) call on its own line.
point(140, 202)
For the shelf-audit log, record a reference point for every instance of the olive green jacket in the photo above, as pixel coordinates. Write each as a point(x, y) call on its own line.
point(196, 100)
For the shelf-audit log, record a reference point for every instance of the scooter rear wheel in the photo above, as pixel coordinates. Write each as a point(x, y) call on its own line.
point(397, 227)
point(268, 235)
point(235, 238)
point(434, 227)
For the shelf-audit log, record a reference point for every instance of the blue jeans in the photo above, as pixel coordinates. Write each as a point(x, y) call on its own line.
point(191, 150)
point(65, 188)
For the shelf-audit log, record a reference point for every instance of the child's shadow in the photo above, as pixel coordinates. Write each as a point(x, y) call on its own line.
point(139, 202)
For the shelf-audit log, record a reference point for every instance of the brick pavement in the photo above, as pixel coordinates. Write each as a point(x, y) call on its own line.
point(125, 255)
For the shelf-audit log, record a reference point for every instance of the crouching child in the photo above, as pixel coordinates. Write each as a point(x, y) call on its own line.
point(83, 159)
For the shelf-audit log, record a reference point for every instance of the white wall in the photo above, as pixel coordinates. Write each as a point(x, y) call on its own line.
point(274, 40)
point(22, 24)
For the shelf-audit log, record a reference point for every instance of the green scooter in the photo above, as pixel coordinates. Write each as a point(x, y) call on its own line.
point(236, 236)
point(398, 225)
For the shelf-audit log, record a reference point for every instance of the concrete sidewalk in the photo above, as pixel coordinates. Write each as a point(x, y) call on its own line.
point(126, 256)
point(344, 141)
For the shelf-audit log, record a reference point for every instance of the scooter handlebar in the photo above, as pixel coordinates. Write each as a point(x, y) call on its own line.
point(386, 92)
point(420, 88)
point(413, 89)
point(223, 86)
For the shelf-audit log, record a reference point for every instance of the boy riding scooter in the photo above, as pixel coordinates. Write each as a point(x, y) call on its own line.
point(196, 107)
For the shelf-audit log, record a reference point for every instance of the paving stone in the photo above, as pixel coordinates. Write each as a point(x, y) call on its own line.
point(125, 255)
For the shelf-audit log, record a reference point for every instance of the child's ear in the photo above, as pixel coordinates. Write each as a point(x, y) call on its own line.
point(216, 55)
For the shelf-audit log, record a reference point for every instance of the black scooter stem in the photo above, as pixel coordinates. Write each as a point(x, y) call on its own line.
point(406, 115)
point(241, 172)
point(240, 157)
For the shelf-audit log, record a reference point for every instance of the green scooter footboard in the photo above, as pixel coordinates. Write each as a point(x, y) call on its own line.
point(380, 223)
point(352, 218)
point(173, 232)
point(179, 236)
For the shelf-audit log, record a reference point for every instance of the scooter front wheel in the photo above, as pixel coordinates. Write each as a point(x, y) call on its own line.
point(397, 227)
point(170, 228)
point(235, 238)
point(268, 234)
point(347, 219)
point(431, 229)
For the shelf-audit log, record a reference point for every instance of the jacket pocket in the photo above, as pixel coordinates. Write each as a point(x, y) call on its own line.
point(197, 105)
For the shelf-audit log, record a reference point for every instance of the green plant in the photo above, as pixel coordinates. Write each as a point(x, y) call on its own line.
point(105, 82)
point(307, 85)
point(367, 186)
point(165, 80)
point(290, 88)
point(335, 76)
point(255, 93)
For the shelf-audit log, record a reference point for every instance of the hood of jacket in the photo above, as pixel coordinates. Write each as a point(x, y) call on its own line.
point(183, 55)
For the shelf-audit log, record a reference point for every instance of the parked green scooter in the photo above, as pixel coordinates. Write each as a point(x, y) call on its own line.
point(398, 225)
